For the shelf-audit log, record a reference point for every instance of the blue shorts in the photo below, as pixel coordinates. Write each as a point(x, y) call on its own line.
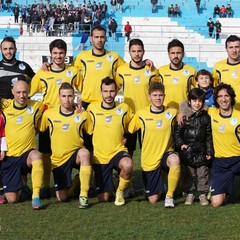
point(13, 168)
point(63, 174)
point(152, 180)
point(104, 172)
point(222, 174)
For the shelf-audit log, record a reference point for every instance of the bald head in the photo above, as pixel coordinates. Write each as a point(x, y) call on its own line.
point(20, 92)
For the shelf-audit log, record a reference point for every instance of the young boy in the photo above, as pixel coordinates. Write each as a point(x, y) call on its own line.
point(204, 80)
point(193, 140)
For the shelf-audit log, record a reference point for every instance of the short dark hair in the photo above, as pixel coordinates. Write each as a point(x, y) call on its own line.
point(9, 39)
point(58, 43)
point(108, 81)
point(204, 72)
point(64, 86)
point(156, 86)
point(136, 41)
point(196, 93)
point(98, 28)
point(231, 38)
point(175, 43)
point(229, 90)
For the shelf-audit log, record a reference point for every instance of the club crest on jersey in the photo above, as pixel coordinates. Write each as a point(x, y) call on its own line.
point(233, 121)
point(59, 82)
point(22, 66)
point(30, 110)
point(19, 120)
point(147, 72)
point(108, 119)
point(175, 80)
point(109, 58)
point(69, 73)
point(221, 128)
point(159, 124)
point(185, 72)
point(98, 65)
point(168, 115)
point(14, 80)
point(136, 79)
point(234, 74)
point(119, 111)
point(77, 119)
point(65, 127)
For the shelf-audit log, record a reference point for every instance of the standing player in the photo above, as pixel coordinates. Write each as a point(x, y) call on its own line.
point(108, 121)
point(135, 78)
point(228, 70)
point(21, 116)
point(225, 122)
point(177, 77)
point(156, 123)
point(49, 82)
point(67, 145)
point(96, 64)
point(12, 69)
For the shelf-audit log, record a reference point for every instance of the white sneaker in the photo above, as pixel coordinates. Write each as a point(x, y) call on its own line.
point(203, 200)
point(169, 202)
point(119, 200)
point(189, 199)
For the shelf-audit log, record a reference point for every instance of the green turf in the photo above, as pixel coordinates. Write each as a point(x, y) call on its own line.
point(138, 219)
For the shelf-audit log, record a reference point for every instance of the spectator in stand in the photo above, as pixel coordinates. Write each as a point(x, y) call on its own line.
point(128, 30)
point(8, 3)
point(198, 5)
point(229, 11)
point(223, 12)
point(171, 11)
point(210, 25)
point(218, 26)
point(113, 28)
point(114, 4)
point(154, 5)
point(16, 11)
point(177, 11)
point(216, 11)
point(104, 8)
point(24, 14)
point(120, 3)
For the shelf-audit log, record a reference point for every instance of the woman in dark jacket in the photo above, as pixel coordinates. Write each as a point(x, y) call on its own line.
point(193, 141)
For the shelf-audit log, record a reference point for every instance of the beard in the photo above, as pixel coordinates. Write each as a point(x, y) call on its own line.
point(9, 60)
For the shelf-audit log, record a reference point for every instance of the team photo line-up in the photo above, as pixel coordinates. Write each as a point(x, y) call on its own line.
point(187, 123)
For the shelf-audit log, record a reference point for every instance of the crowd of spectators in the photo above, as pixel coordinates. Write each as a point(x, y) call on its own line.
point(223, 11)
point(174, 11)
point(60, 18)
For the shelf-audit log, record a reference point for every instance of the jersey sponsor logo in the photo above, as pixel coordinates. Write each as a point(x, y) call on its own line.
point(98, 65)
point(77, 119)
point(65, 127)
point(99, 114)
point(127, 75)
point(168, 115)
point(22, 66)
point(222, 128)
point(108, 119)
point(19, 120)
point(159, 124)
point(148, 119)
point(234, 121)
point(56, 121)
point(109, 58)
point(234, 74)
point(175, 80)
point(136, 79)
point(11, 114)
point(119, 111)
point(30, 110)
point(167, 75)
point(225, 70)
point(59, 82)
point(69, 73)
point(147, 72)
point(214, 120)
point(186, 72)
point(50, 78)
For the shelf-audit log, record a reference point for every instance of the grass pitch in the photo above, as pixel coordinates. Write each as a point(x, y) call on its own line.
point(138, 219)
